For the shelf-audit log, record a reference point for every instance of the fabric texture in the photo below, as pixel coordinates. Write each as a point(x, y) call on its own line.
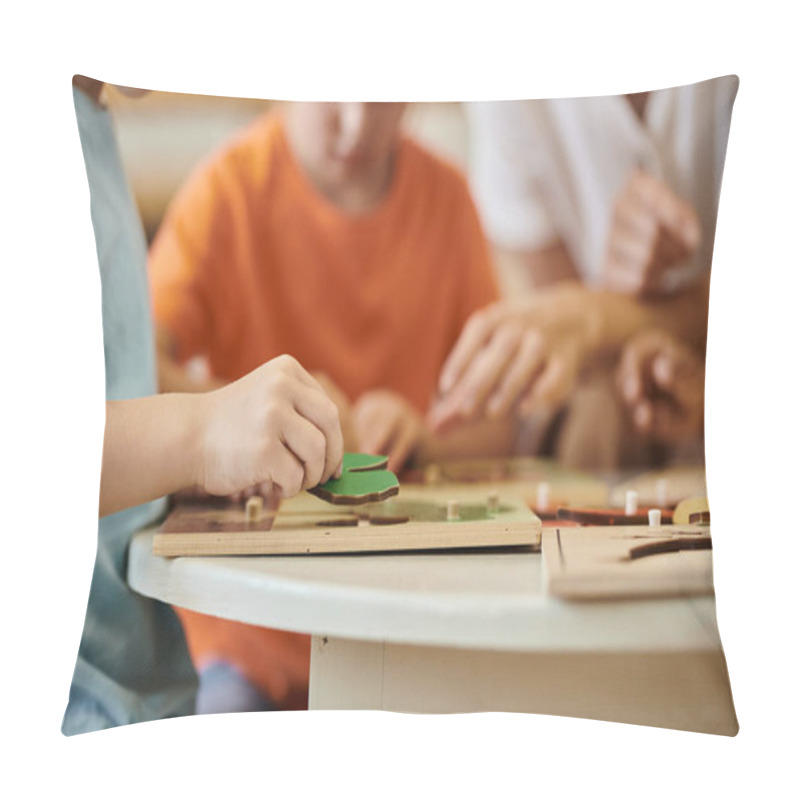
point(543, 170)
point(133, 664)
point(224, 690)
point(252, 262)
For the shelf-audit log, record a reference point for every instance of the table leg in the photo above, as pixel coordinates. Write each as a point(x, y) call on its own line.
point(684, 690)
point(345, 674)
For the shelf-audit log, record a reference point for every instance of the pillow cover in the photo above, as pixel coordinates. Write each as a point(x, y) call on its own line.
point(368, 241)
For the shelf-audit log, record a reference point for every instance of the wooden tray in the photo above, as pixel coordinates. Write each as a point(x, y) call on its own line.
point(414, 520)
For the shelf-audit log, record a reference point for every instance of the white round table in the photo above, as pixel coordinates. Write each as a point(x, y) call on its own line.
point(463, 631)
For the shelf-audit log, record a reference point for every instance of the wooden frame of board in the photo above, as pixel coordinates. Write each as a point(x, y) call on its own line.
point(417, 519)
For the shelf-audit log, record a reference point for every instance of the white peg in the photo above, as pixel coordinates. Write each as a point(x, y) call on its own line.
point(543, 496)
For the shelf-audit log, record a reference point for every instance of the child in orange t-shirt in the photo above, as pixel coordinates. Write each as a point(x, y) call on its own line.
point(324, 232)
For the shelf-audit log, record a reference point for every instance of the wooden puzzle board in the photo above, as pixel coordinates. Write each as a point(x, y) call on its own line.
point(591, 563)
point(520, 476)
point(678, 484)
point(416, 519)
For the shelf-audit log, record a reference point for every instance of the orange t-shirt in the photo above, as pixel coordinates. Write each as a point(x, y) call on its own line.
point(252, 261)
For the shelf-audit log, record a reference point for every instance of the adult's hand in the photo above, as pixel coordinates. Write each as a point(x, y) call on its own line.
point(662, 382)
point(652, 231)
point(521, 358)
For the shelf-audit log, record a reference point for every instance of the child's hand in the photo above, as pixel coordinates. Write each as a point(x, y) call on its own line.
point(652, 230)
point(516, 358)
point(387, 424)
point(662, 382)
point(274, 427)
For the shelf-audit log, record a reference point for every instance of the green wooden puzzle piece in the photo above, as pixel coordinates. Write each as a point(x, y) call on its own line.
point(362, 462)
point(365, 479)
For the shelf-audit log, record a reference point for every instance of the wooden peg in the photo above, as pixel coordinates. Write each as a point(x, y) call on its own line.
point(254, 507)
point(453, 511)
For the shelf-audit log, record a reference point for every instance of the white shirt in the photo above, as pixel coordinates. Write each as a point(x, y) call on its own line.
point(543, 170)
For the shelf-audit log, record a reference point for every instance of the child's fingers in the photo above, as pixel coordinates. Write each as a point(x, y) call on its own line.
point(308, 444)
point(405, 441)
point(377, 425)
point(287, 472)
point(295, 369)
point(322, 412)
point(267, 490)
point(264, 489)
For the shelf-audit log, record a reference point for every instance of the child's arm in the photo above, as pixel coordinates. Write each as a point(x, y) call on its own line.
point(274, 426)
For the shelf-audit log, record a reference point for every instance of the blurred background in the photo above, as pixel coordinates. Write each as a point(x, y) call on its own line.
point(163, 135)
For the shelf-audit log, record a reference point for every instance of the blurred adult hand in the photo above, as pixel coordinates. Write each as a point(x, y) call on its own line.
point(521, 358)
point(652, 231)
point(662, 383)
